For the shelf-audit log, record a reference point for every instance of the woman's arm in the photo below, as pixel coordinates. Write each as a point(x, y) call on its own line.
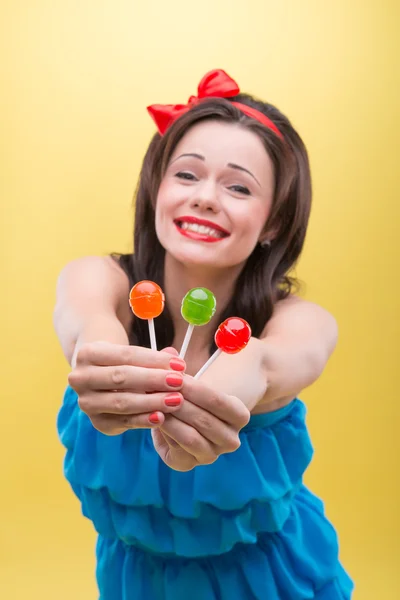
point(91, 304)
point(290, 355)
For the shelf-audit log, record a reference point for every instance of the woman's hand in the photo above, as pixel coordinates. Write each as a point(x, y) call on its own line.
point(206, 425)
point(124, 387)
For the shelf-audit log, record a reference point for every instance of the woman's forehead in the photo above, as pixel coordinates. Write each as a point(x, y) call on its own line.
point(220, 143)
point(225, 136)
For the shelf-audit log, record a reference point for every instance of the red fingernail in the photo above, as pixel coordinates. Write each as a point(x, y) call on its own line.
point(174, 380)
point(173, 399)
point(154, 418)
point(177, 364)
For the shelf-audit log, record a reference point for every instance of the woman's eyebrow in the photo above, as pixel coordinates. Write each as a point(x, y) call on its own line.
point(192, 154)
point(239, 168)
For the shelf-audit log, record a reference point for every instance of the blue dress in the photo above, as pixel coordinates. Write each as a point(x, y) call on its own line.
point(243, 528)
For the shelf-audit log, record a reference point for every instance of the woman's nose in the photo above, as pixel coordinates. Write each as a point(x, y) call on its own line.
point(205, 198)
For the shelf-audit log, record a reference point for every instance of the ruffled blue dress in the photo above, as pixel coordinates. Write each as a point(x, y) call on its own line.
point(243, 528)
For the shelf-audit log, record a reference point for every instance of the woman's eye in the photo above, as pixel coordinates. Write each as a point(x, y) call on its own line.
point(240, 189)
point(185, 175)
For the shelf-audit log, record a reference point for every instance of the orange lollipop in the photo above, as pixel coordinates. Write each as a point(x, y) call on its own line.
point(147, 301)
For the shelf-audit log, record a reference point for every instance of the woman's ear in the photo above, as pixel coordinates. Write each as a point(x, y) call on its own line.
point(268, 236)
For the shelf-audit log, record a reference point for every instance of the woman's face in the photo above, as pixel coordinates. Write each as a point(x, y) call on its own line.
point(215, 196)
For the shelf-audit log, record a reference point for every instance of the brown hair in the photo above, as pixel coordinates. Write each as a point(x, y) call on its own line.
point(264, 279)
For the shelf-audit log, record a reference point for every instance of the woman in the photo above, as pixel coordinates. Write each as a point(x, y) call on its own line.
point(196, 488)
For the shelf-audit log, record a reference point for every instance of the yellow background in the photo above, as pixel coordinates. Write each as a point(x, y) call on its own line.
point(76, 77)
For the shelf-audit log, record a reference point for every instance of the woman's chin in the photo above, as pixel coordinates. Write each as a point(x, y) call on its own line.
point(201, 259)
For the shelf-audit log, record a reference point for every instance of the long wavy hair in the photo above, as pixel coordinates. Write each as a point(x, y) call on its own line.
point(265, 278)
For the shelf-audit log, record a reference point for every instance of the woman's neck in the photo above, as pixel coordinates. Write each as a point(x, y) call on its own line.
point(179, 279)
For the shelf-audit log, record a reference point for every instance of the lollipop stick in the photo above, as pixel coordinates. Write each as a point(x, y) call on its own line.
point(152, 332)
point(208, 363)
point(186, 341)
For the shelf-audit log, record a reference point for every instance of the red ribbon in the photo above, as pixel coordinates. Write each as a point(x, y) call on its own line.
point(215, 84)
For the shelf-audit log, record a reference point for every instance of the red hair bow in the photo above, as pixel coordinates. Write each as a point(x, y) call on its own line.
point(215, 84)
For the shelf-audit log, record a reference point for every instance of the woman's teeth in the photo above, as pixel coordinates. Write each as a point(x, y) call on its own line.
point(202, 229)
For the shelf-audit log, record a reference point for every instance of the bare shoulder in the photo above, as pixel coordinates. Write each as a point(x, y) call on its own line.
point(296, 303)
point(297, 313)
point(95, 281)
point(89, 269)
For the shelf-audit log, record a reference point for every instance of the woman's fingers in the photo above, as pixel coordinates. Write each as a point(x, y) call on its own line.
point(227, 408)
point(210, 427)
point(170, 350)
point(171, 453)
point(124, 377)
point(190, 440)
point(124, 387)
point(126, 403)
point(117, 424)
point(105, 354)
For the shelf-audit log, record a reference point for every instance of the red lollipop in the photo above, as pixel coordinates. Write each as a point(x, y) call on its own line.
point(231, 337)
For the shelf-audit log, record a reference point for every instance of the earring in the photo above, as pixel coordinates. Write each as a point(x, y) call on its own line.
point(265, 244)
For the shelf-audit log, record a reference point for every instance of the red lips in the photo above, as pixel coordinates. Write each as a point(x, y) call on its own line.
point(205, 222)
point(195, 235)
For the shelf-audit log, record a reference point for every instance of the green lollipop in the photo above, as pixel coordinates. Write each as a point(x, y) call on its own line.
point(198, 308)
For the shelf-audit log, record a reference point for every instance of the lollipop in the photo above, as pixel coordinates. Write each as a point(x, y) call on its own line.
point(231, 337)
point(146, 300)
point(198, 307)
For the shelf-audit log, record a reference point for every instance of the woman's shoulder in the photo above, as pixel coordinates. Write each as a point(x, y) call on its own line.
point(97, 279)
point(297, 311)
point(103, 269)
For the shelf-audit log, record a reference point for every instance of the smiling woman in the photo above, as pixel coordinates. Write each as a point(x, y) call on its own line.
point(208, 188)
point(215, 164)
point(225, 176)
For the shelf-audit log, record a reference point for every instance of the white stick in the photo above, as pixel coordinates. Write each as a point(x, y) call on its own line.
point(208, 363)
point(152, 332)
point(186, 341)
